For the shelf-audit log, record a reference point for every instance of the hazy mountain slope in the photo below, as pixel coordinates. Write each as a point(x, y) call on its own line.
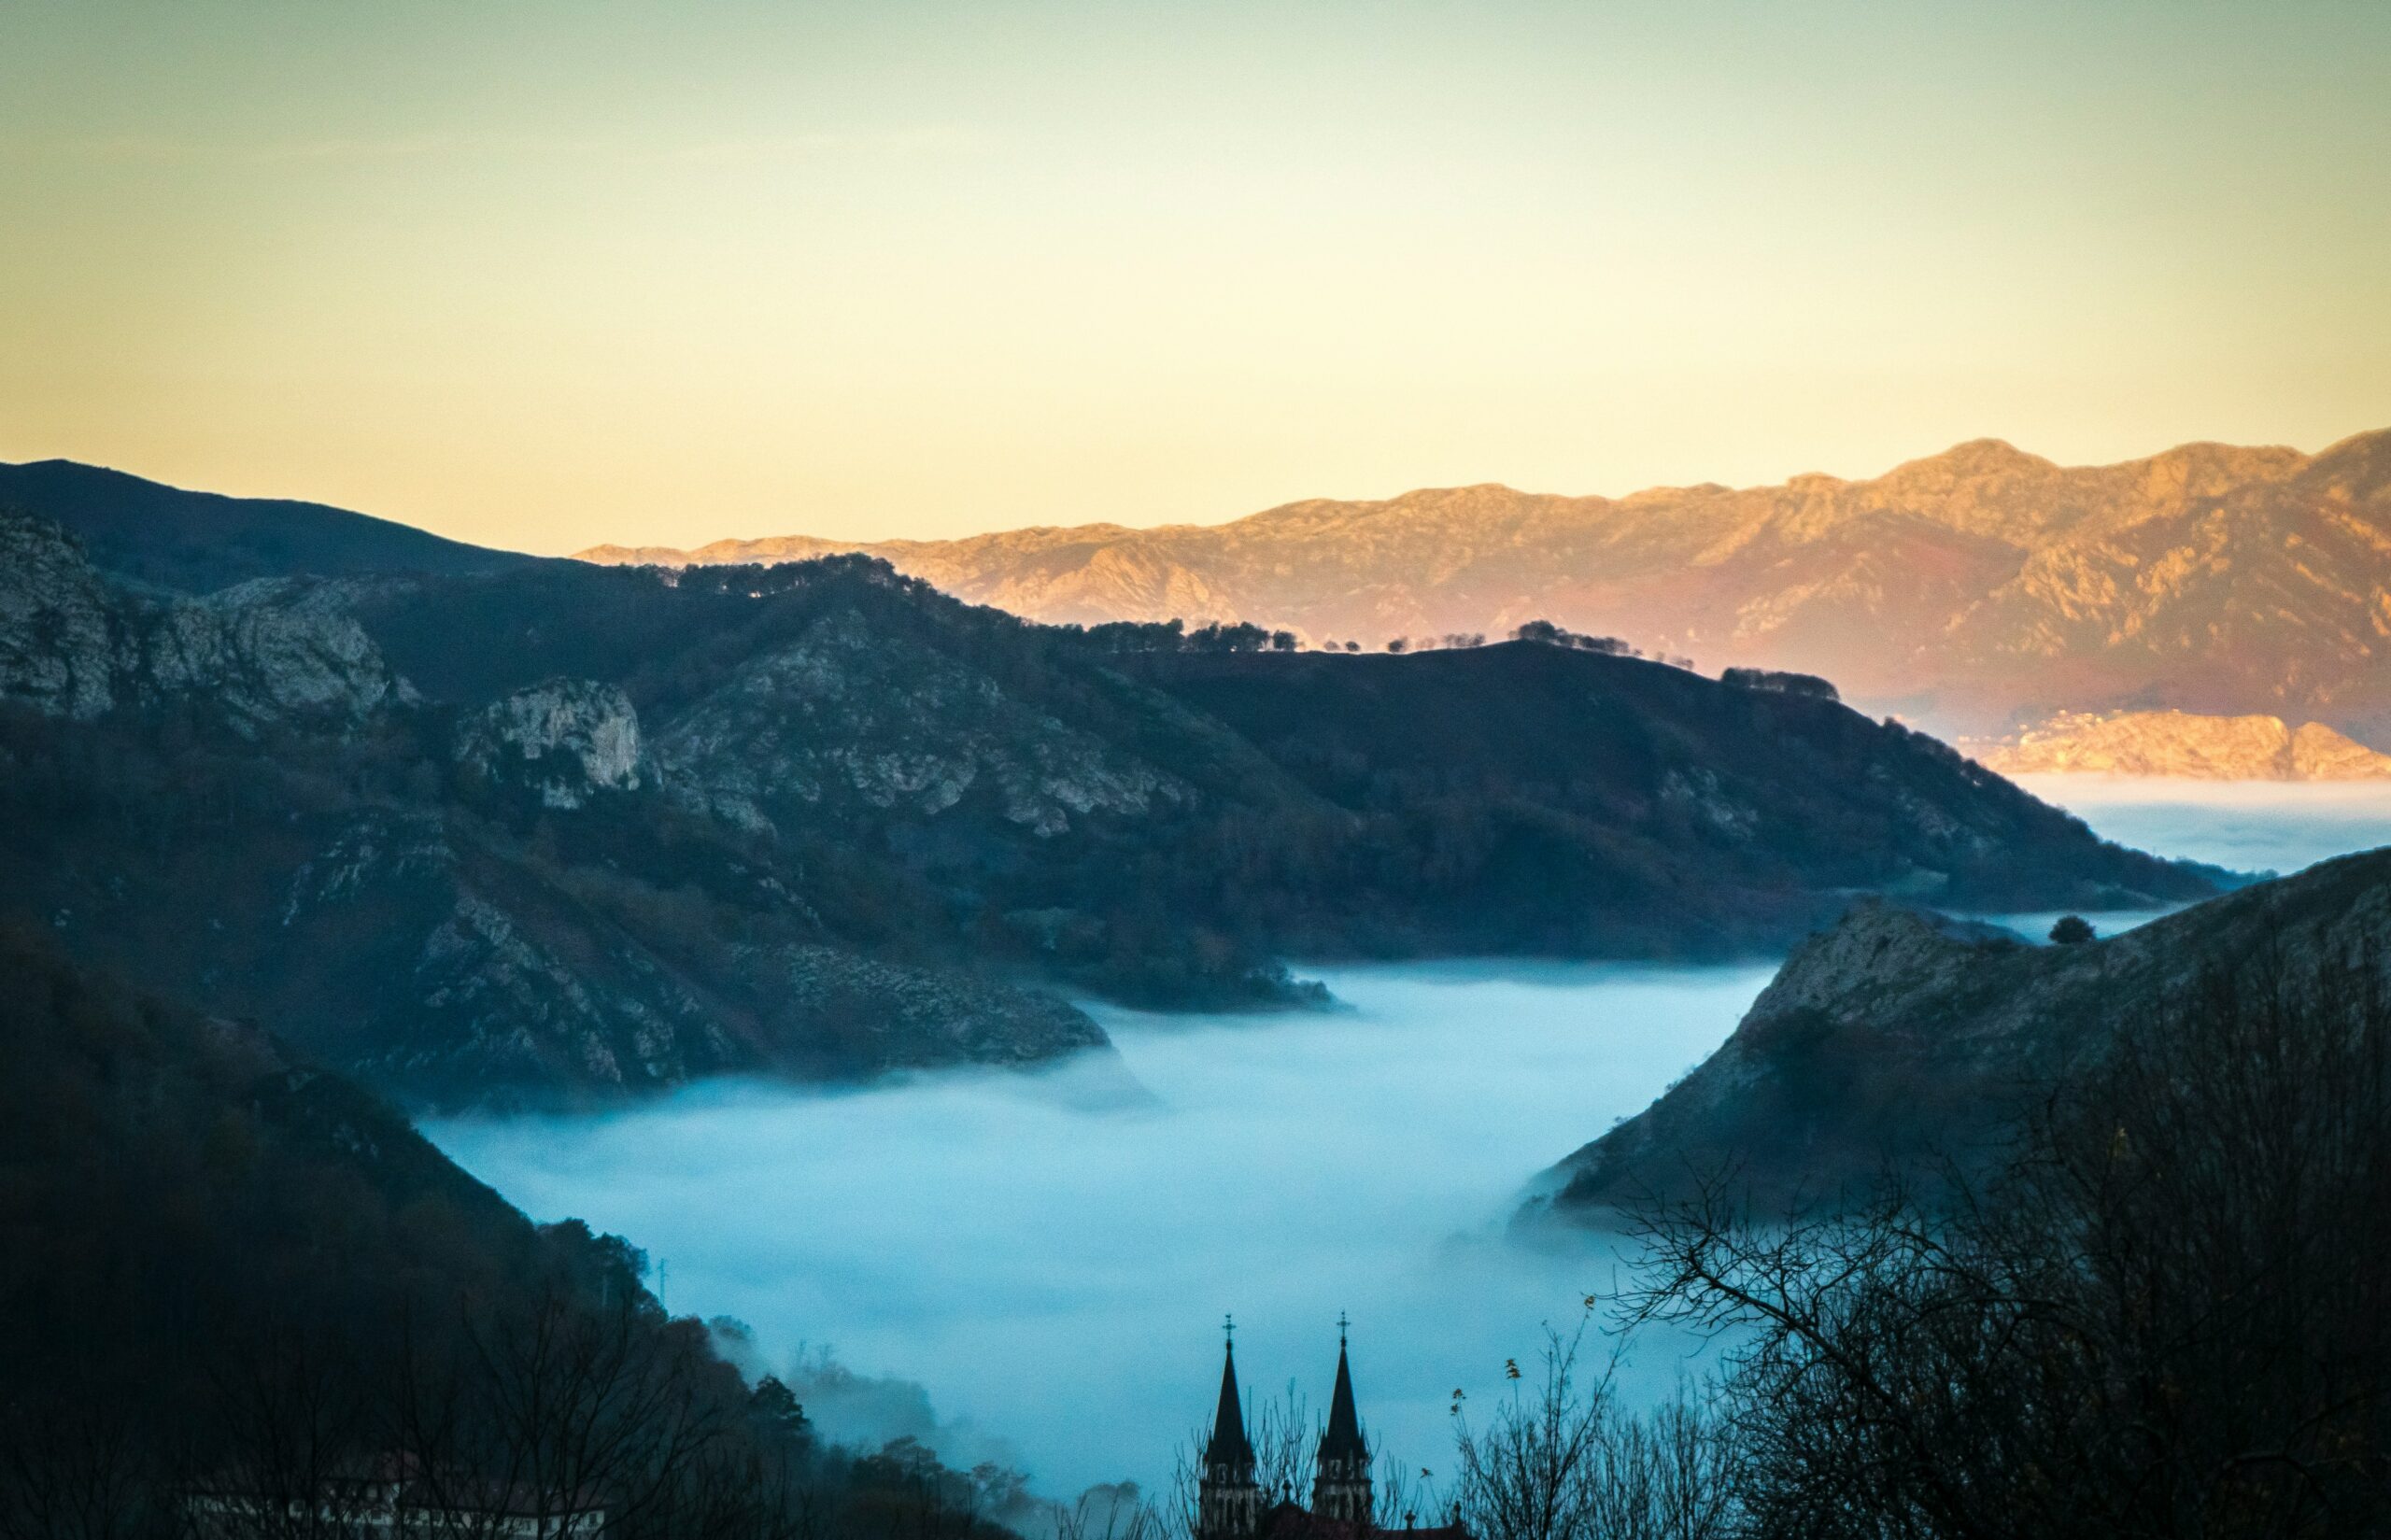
point(1971, 589)
point(1895, 1034)
point(198, 541)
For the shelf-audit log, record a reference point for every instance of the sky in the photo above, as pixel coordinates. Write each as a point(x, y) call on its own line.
point(557, 272)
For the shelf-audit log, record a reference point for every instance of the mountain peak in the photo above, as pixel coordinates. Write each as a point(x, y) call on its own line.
point(1979, 458)
point(2357, 468)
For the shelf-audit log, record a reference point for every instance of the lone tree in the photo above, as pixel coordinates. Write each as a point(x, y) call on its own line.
point(2072, 931)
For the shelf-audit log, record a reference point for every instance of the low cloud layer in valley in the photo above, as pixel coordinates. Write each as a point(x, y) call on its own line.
point(1051, 1259)
point(1054, 1269)
point(2245, 826)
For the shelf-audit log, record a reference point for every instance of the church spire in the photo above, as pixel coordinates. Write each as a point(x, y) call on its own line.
point(1343, 1440)
point(1228, 1501)
point(1341, 1488)
point(1229, 1446)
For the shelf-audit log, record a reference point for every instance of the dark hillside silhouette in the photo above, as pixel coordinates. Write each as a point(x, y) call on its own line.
point(225, 1269)
point(198, 541)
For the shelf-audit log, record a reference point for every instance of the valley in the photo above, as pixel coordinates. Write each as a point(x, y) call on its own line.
point(1027, 1269)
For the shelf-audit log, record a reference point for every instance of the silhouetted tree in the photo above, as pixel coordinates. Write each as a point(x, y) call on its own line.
point(1563, 1460)
point(2170, 1315)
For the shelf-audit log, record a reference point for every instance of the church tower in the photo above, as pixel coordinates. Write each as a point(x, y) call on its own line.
point(1228, 1502)
point(1341, 1489)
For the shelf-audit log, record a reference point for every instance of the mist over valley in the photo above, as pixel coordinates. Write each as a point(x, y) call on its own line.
point(1046, 1260)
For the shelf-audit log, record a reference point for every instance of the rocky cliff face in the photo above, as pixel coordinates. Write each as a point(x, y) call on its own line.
point(844, 720)
point(58, 641)
point(565, 739)
point(236, 797)
point(1971, 590)
point(447, 966)
point(2177, 743)
point(1895, 1035)
point(262, 653)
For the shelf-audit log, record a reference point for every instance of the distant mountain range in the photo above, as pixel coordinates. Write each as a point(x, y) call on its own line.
point(1973, 591)
point(534, 830)
point(1897, 1035)
point(2175, 743)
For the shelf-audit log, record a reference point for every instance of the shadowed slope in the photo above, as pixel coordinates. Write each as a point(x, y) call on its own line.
point(1895, 1034)
point(198, 541)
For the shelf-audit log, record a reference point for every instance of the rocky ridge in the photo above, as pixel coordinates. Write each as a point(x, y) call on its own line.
point(261, 652)
point(846, 716)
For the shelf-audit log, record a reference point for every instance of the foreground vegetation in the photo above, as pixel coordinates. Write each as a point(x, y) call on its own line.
point(226, 1271)
point(2168, 1315)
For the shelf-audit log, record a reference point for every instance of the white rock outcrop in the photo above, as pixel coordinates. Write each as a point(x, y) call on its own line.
point(567, 738)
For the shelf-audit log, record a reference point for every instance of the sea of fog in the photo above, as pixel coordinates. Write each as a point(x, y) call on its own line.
point(1053, 1264)
point(2246, 825)
point(1033, 1267)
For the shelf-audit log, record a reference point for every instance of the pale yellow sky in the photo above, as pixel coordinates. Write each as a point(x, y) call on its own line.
point(543, 275)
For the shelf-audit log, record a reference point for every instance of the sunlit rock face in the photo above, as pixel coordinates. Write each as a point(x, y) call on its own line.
point(1970, 589)
point(2177, 743)
point(2320, 754)
point(567, 738)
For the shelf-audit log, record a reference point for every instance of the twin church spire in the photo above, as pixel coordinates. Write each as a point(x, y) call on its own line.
point(1230, 1503)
